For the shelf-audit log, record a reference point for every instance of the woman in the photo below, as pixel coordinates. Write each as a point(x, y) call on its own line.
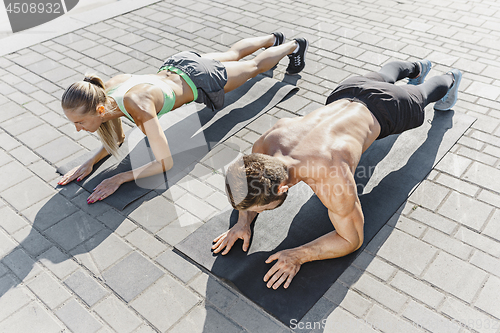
point(185, 77)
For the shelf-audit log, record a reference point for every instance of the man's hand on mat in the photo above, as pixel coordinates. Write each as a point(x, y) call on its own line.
point(227, 239)
point(104, 189)
point(79, 172)
point(284, 269)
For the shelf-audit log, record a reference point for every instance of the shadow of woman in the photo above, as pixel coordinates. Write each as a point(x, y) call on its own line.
point(245, 271)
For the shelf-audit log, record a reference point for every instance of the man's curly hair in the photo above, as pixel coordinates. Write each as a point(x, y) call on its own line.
point(254, 180)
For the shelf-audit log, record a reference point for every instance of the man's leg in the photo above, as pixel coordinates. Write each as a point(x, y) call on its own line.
point(396, 70)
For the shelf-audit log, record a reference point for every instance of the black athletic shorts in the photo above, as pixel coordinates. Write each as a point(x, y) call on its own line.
point(396, 108)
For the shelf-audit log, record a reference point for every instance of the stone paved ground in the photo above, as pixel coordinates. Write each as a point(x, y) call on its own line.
point(66, 266)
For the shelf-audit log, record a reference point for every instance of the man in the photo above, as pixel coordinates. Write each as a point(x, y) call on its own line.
point(323, 149)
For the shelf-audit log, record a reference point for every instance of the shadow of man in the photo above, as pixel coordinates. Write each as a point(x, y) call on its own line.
point(379, 200)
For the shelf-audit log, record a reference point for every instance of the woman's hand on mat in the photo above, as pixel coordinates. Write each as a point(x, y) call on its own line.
point(77, 173)
point(105, 189)
point(227, 239)
point(284, 270)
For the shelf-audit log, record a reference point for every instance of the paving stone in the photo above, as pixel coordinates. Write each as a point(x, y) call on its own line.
point(95, 209)
point(32, 241)
point(487, 262)
point(453, 164)
point(374, 265)
point(16, 172)
point(489, 297)
point(205, 319)
point(178, 266)
point(131, 276)
point(434, 220)
point(155, 214)
point(24, 155)
point(21, 264)
point(7, 142)
point(27, 193)
point(479, 241)
point(117, 222)
point(13, 297)
point(58, 149)
point(469, 317)
point(49, 211)
point(164, 303)
point(341, 321)
point(48, 290)
point(380, 292)
point(117, 315)
point(457, 184)
point(11, 222)
point(196, 187)
point(492, 229)
point(355, 303)
point(400, 248)
point(429, 320)
point(417, 289)
point(145, 242)
point(450, 245)
point(85, 287)
point(443, 274)
point(5, 158)
point(484, 175)
point(195, 206)
point(409, 226)
point(101, 251)
point(73, 230)
point(57, 262)
point(77, 318)
point(388, 322)
point(29, 317)
point(179, 229)
point(465, 210)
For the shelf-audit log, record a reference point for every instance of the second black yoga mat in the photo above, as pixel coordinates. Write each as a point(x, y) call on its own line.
point(387, 174)
point(192, 131)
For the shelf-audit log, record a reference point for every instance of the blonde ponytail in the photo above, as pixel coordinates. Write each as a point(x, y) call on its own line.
point(89, 93)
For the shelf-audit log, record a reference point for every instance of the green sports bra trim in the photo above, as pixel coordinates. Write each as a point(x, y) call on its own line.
point(184, 76)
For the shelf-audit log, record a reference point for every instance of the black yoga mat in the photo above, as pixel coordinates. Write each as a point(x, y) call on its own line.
point(387, 174)
point(192, 131)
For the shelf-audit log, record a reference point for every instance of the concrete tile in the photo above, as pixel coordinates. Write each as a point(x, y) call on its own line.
point(49, 211)
point(457, 184)
point(465, 210)
point(205, 319)
point(117, 222)
point(155, 214)
point(21, 123)
point(428, 319)
point(24, 155)
point(58, 149)
point(484, 176)
point(492, 229)
point(32, 241)
point(95, 209)
point(60, 264)
point(341, 321)
point(479, 241)
point(487, 262)
point(39, 136)
point(20, 263)
point(400, 248)
point(29, 317)
point(48, 290)
point(443, 274)
point(44, 170)
point(7, 142)
point(195, 206)
point(249, 317)
point(410, 227)
point(453, 164)
point(27, 193)
point(131, 276)
point(101, 251)
point(434, 220)
point(145, 329)
point(77, 318)
point(16, 172)
point(73, 230)
point(164, 303)
point(219, 201)
point(86, 287)
point(117, 315)
point(196, 187)
point(468, 317)
point(178, 266)
point(417, 289)
point(145, 242)
point(13, 297)
point(388, 322)
point(11, 222)
point(450, 245)
point(5, 158)
point(179, 229)
point(381, 292)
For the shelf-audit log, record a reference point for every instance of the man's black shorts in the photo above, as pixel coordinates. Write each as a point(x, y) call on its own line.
point(397, 108)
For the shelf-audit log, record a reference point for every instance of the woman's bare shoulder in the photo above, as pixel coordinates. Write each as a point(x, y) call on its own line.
point(116, 80)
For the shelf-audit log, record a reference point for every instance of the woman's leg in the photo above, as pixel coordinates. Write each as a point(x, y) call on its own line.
point(239, 72)
point(242, 48)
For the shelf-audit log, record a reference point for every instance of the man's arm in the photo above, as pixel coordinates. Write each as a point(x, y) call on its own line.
point(344, 211)
point(241, 230)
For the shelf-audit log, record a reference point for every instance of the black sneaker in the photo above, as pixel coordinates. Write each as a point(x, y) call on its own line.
point(297, 59)
point(280, 38)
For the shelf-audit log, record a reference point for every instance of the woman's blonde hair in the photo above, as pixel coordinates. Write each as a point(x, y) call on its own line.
point(89, 93)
